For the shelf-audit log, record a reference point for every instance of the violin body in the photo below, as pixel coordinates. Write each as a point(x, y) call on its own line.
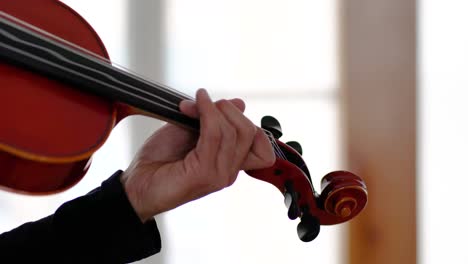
point(49, 131)
point(61, 98)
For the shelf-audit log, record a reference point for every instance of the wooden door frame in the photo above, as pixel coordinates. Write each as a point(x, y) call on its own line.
point(378, 99)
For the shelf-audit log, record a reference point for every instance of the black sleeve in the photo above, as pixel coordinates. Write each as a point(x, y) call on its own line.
point(98, 227)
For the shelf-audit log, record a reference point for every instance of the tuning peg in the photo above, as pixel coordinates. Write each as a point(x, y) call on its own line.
point(309, 228)
point(272, 125)
point(291, 198)
point(295, 145)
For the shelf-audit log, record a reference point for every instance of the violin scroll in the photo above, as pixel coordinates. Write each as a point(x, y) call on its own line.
point(343, 194)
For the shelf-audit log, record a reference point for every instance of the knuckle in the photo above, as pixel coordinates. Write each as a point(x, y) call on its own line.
point(252, 130)
point(249, 130)
point(232, 180)
point(213, 133)
point(229, 180)
point(222, 104)
point(230, 133)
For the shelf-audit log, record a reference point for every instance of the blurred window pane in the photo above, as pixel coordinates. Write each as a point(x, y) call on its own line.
point(443, 74)
point(280, 57)
point(247, 222)
point(252, 46)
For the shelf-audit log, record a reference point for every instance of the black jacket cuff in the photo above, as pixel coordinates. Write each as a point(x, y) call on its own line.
point(104, 226)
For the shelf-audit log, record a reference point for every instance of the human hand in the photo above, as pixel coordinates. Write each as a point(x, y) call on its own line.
point(176, 166)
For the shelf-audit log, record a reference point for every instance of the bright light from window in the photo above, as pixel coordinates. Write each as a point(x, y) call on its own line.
point(443, 132)
point(280, 56)
point(247, 46)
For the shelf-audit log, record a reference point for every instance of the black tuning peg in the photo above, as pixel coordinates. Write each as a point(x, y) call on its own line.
point(309, 228)
point(272, 125)
point(291, 199)
point(295, 145)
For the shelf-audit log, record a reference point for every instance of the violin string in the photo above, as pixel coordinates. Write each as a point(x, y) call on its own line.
point(57, 55)
point(103, 62)
point(171, 106)
point(87, 77)
point(278, 151)
point(276, 147)
point(100, 59)
point(48, 37)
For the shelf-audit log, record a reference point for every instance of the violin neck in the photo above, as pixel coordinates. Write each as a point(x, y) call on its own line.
point(56, 58)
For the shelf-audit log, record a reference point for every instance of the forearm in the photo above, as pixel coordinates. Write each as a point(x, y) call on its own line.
point(100, 226)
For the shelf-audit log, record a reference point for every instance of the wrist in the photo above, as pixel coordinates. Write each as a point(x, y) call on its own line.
point(133, 196)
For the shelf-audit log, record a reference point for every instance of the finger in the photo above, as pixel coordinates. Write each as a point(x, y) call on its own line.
point(210, 132)
point(189, 107)
point(217, 141)
point(261, 154)
point(245, 132)
point(239, 103)
point(228, 161)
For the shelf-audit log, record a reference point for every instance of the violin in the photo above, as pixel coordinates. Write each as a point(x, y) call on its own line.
point(61, 98)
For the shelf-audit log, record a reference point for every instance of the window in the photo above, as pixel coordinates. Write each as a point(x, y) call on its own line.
point(281, 57)
point(443, 128)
